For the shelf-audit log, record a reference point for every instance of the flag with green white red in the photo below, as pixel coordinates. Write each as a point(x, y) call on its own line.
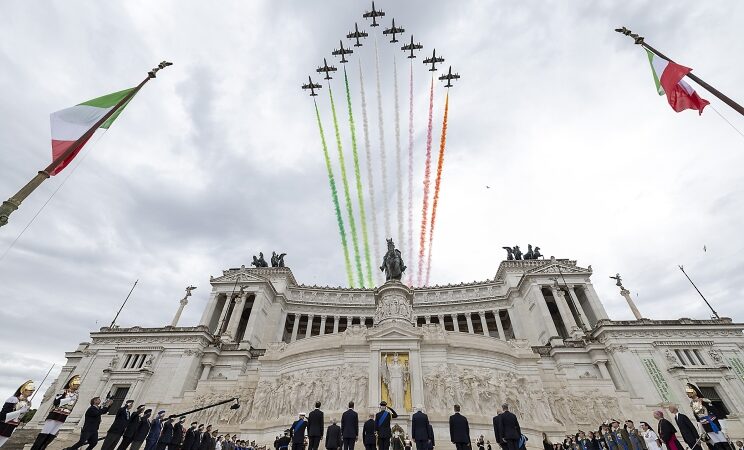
point(70, 124)
point(668, 79)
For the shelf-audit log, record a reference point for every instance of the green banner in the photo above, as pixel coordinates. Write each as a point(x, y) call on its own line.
point(658, 378)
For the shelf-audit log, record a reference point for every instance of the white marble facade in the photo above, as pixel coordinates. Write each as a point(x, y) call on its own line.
point(536, 336)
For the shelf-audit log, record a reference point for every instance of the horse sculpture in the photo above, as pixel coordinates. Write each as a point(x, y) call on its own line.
point(392, 263)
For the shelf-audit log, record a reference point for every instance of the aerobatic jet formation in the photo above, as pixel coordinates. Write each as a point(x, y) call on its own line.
point(449, 77)
point(312, 86)
point(433, 60)
point(342, 52)
point(374, 14)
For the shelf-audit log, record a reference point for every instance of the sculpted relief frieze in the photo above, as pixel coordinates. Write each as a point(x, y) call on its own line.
point(395, 306)
point(287, 394)
point(482, 391)
point(223, 413)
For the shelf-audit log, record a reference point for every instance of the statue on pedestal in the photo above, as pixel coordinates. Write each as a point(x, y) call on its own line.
point(392, 263)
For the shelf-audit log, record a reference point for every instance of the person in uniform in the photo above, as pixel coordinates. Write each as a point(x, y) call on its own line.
point(368, 433)
point(166, 436)
point(142, 430)
point(420, 429)
point(297, 432)
point(61, 408)
point(206, 439)
point(706, 415)
point(117, 428)
point(198, 435)
point(459, 430)
point(315, 427)
point(349, 427)
point(156, 427)
point(636, 440)
point(283, 442)
point(620, 436)
point(188, 439)
point(178, 434)
point(132, 424)
point(14, 408)
point(382, 425)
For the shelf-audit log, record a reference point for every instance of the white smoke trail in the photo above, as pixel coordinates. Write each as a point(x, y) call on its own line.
point(410, 177)
point(401, 241)
point(370, 180)
point(383, 158)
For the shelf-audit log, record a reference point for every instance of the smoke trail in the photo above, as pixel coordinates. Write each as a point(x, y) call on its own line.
point(347, 195)
point(383, 159)
point(427, 176)
point(437, 183)
point(370, 178)
point(334, 196)
point(410, 175)
point(398, 169)
point(358, 177)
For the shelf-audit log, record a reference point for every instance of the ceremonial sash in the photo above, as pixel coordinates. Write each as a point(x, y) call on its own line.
point(382, 418)
point(619, 440)
point(299, 424)
point(712, 424)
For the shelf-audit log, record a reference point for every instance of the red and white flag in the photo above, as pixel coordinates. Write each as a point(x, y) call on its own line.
point(668, 78)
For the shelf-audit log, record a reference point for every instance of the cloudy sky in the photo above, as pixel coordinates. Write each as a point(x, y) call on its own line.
point(220, 157)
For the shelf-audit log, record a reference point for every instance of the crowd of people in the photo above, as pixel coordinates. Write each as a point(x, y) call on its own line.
point(705, 429)
point(137, 429)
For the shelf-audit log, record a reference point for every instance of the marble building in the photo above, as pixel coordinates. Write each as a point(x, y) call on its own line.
point(536, 336)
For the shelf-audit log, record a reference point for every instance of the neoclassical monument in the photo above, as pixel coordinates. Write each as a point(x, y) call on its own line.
point(535, 336)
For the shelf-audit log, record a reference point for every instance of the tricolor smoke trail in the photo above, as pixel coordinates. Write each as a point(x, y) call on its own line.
point(398, 169)
point(410, 174)
point(383, 159)
point(427, 181)
point(347, 195)
point(437, 185)
point(334, 196)
point(370, 178)
point(358, 179)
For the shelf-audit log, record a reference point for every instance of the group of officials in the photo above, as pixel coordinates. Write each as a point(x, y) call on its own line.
point(133, 429)
point(377, 433)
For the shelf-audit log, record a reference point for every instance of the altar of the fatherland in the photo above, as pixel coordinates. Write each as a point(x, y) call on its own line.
point(535, 336)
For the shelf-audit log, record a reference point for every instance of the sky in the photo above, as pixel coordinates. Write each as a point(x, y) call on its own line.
point(556, 138)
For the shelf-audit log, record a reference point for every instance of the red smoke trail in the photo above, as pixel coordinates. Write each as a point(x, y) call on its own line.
point(410, 175)
point(437, 183)
point(427, 181)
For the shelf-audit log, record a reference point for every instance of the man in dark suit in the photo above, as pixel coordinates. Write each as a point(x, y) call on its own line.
point(333, 436)
point(431, 437)
point(315, 427)
point(89, 433)
point(349, 427)
point(368, 433)
point(206, 439)
point(116, 430)
point(142, 430)
point(686, 428)
point(177, 434)
point(188, 439)
point(497, 428)
point(166, 436)
point(297, 433)
point(198, 435)
point(459, 430)
point(667, 432)
point(420, 429)
point(132, 424)
point(509, 430)
point(382, 425)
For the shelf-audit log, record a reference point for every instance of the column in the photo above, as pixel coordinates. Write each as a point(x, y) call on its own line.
point(335, 323)
point(626, 293)
point(441, 320)
point(295, 328)
point(484, 324)
point(543, 307)
point(309, 325)
point(584, 320)
point(177, 317)
point(209, 310)
point(205, 371)
point(469, 320)
point(455, 323)
point(223, 314)
point(322, 324)
point(427, 320)
point(234, 319)
point(374, 378)
point(417, 388)
point(516, 325)
point(280, 332)
point(499, 325)
point(602, 366)
point(565, 311)
point(591, 296)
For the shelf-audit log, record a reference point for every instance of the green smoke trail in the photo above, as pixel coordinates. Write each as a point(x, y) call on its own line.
point(360, 197)
point(347, 195)
point(334, 195)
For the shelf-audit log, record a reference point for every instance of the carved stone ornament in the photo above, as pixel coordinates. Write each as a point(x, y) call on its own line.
point(394, 306)
point(715, 356)
point(671, 357)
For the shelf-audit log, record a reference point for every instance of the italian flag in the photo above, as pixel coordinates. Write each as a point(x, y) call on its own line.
point(70, 124)
point(668, 78)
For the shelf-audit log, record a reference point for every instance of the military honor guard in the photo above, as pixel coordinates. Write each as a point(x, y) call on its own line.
point(382, 425)
point(142, 431)
point(178, 431)
point(188, 440)
point(134, 420)
point(62, 406)
point(14, 408)
point(706, 415)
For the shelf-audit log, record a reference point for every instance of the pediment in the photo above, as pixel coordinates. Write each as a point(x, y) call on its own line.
point(558, 268)
point(394, 330)
point(256, 275)
point(241, 275)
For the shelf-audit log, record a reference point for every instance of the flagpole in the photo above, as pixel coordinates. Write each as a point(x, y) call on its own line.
point(14, 202)
point(721, 96)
